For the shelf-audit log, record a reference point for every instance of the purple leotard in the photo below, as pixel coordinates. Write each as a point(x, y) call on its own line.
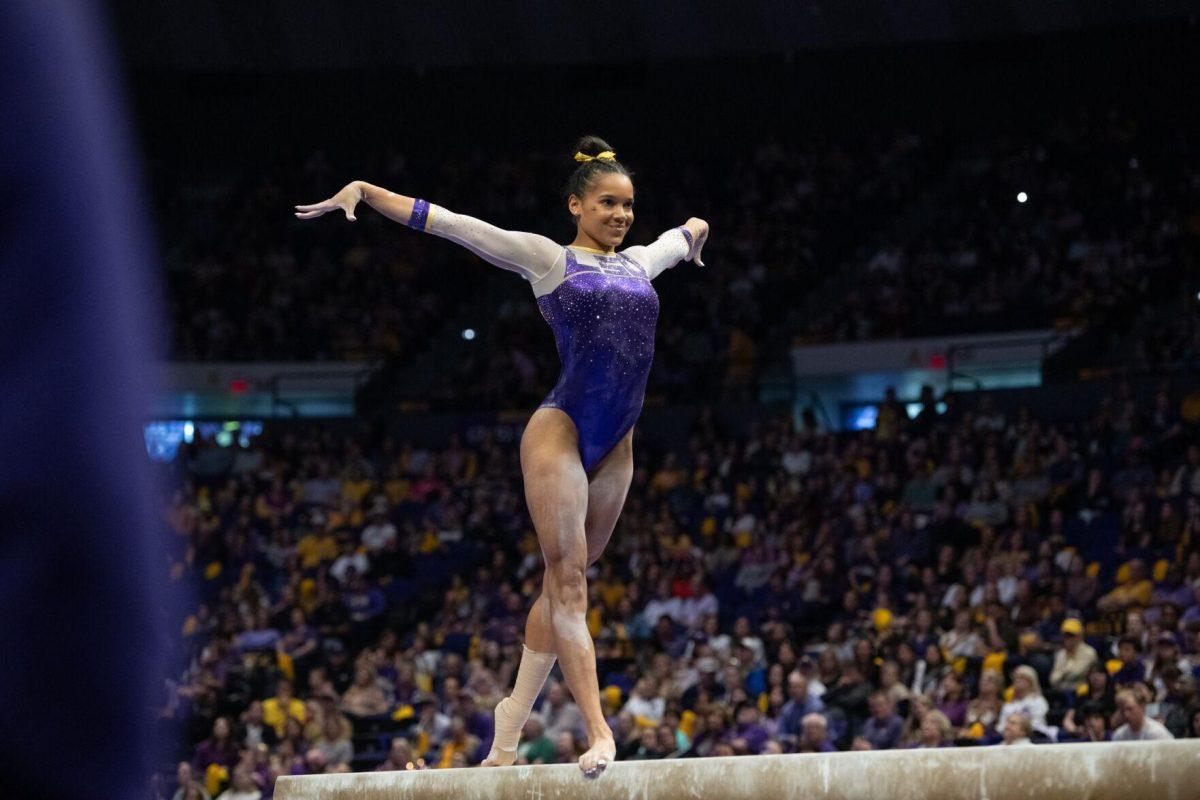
point(601, 308)
point(603, 315)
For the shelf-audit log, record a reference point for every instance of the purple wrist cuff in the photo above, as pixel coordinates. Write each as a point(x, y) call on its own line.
point(687, 235)
point(420, 214)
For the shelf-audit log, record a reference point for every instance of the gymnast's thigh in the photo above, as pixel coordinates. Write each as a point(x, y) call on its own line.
point(607, 490)
point(556, 486)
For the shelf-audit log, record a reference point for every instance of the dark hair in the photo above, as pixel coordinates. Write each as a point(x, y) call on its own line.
point(1134, 641)
point(585, 172)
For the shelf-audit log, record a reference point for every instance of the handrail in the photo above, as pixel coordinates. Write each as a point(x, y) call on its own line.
point(953, 353)
point(356, 378)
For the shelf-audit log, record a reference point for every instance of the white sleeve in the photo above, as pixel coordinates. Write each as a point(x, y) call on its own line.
point(667, 251)
point(531, 255)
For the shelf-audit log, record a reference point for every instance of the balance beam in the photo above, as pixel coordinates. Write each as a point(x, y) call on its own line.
point(1167, 770)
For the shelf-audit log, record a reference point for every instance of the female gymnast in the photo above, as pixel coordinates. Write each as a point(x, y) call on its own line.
point(576, 451)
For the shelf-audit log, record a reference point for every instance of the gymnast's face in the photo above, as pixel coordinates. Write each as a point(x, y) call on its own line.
point(605, 212)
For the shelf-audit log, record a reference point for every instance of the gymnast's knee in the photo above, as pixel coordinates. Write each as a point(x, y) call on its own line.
point(567, 583)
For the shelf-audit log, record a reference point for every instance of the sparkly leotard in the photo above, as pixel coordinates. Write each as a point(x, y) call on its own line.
point(601, 307)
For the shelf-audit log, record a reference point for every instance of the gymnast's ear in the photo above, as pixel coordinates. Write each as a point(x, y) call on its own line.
point(575, 206)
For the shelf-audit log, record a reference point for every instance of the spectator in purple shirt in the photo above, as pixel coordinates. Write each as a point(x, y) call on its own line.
point(1191, 617)
point(479, 723)
point(301, 641)
point(882, 728)
point(259, 633)
point(800, 704)
point(1172, 589)
point(949, 699)
point(748, 735)
point(363, 601)
point(220, 748)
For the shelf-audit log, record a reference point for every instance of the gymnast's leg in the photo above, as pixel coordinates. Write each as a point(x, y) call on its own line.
point(556, 490)
point(606, 497)
point(537, 659)
point(607, 491)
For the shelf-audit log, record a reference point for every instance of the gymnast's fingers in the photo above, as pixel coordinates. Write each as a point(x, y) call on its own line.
point(315, 209)
point(700, 247)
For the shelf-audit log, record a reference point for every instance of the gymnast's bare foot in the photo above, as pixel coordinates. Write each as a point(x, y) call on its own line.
point(602, 753)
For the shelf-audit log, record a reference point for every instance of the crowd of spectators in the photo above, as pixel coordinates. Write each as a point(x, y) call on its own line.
point(1165, 336)
point(967, 578)
point(814, 241)
point(1064, 227)
point(246, 282)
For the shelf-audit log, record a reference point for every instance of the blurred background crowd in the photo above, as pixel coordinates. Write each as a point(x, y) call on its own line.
point(967, 578)
point(886, 236)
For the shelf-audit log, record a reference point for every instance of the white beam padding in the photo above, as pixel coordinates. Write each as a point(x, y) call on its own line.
point(1167, 770)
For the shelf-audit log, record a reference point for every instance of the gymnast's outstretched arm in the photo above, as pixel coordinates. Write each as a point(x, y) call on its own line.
point(678, 244)
point(529, 254)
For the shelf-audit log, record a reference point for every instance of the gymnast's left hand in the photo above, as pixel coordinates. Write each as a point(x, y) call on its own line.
point(699, 230)
point(346, 199)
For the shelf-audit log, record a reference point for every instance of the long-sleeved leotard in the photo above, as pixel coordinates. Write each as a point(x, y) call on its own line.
point(602, 309)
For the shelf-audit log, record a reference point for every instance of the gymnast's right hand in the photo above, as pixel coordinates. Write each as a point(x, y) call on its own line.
point(346, 200)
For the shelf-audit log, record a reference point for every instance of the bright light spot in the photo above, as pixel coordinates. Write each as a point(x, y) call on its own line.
point(1022, 197)
point(189, 432)
point(863, 418)
point(468, 334)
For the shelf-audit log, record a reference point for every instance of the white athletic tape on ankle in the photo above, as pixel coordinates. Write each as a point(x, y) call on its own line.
point(513, 711)
point(531, 676)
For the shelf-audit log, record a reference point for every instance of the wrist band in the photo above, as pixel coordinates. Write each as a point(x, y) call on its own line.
point(420, 214)
point(688, 236)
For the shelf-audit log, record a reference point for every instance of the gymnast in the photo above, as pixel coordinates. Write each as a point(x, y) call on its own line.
point(576, 451)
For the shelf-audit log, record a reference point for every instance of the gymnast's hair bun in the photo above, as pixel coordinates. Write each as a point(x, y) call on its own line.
point(585, 171)
point(591, 146)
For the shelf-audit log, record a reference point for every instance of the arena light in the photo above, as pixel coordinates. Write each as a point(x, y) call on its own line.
point(1022, 197)
point(468, 334)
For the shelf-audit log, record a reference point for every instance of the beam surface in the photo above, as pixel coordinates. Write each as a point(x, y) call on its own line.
point(1167, 770)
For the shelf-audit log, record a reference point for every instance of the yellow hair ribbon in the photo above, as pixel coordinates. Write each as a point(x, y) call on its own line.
point(607, 155)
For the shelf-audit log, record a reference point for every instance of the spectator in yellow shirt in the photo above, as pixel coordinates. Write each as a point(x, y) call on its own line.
point(355, 485)
point(346, 515)
point(316, 547)
point(668, 477)
point(285, 704)
point(1136, 592)
point(460, 741)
